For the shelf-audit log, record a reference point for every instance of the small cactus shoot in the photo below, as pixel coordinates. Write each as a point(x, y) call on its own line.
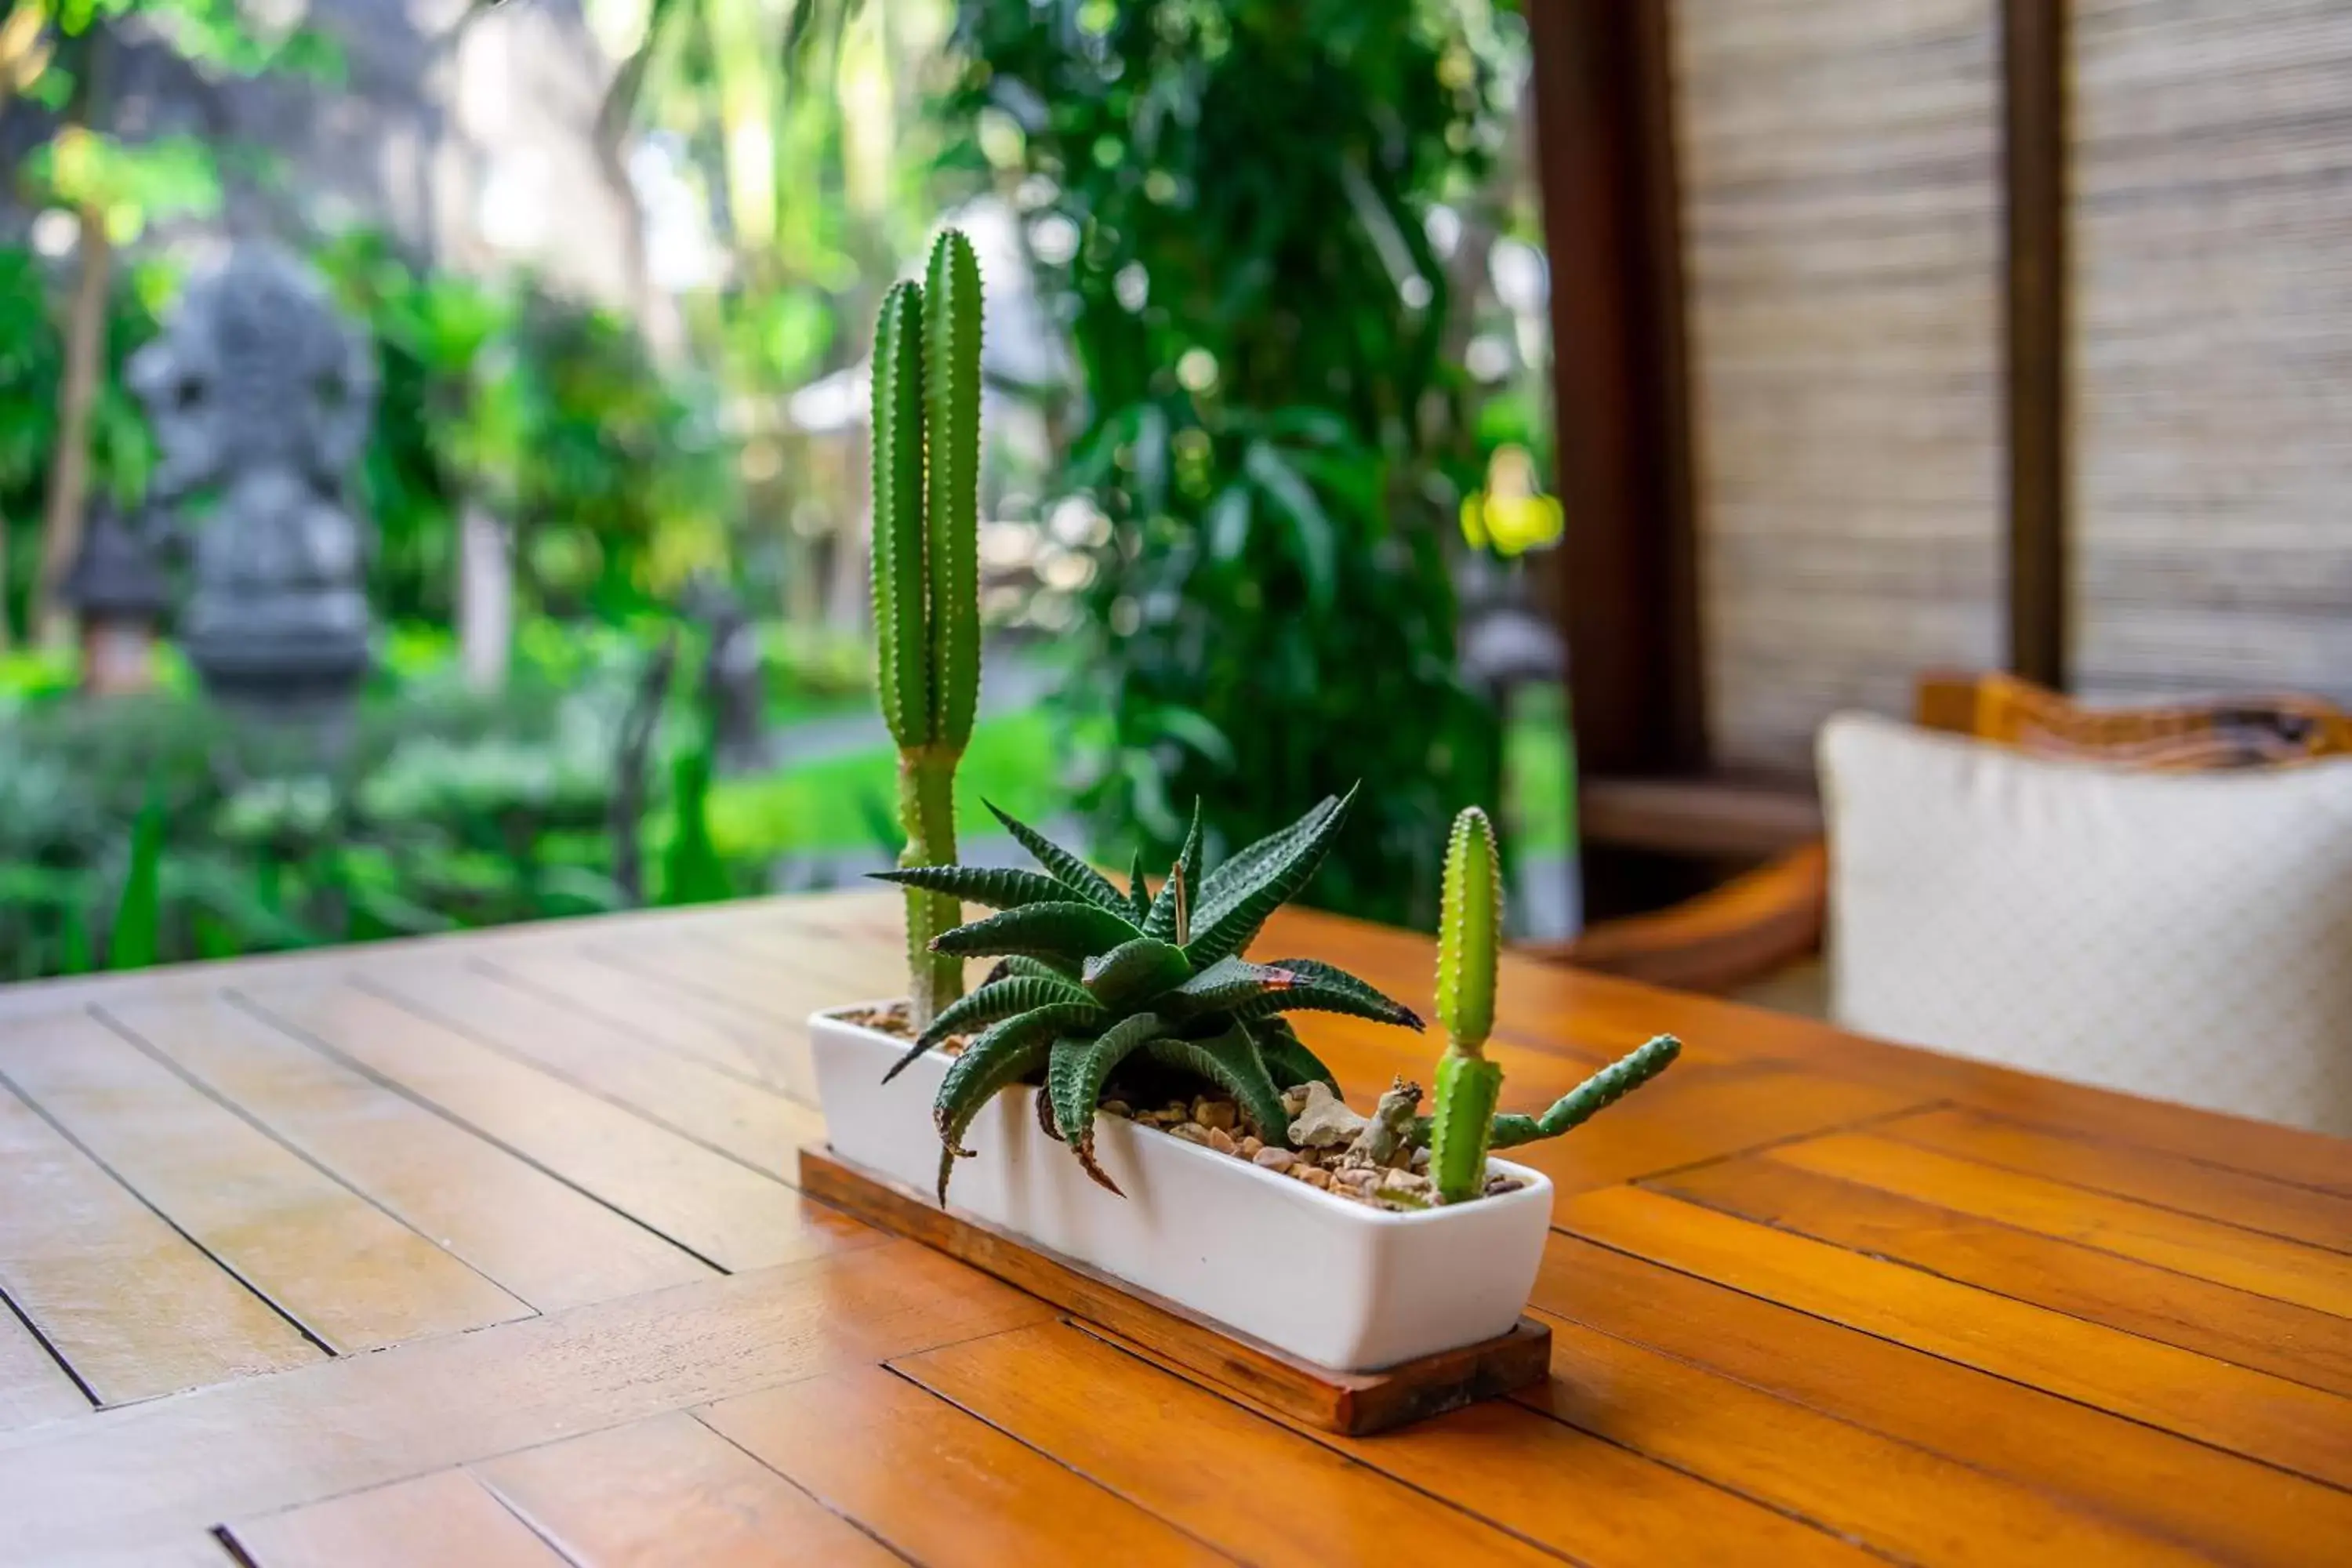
point(926, 439)
point(1470, 930)
point(1466, 1125)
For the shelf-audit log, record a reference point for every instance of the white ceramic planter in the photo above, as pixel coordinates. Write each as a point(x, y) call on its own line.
point(1340, 1283)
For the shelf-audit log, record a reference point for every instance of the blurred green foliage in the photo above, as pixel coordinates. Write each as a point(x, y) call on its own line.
point(1237, 189)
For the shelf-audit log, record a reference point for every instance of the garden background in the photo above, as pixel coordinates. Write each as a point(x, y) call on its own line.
point(1265, 356)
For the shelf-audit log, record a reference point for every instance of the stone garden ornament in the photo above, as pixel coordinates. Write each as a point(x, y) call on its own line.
point(261, 394)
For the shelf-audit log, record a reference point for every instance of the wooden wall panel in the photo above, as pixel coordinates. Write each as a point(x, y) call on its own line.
point(2212, 345)
point(1840, 163)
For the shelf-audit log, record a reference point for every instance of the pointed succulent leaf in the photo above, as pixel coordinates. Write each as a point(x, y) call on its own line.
point(902, 651)
point(1270, 887)
point(1231, 1062)
point(1230, 880)
point(997, 887)
point(1287, 1059)
point(1065, 867)
point(1226, 984)
point(1170, 912)
point(951, 328)
point(1067, 930)
point(1076, 1097)
point(1138, 892)
point(999, 999)
point(1025, 965)
point(1469, 933)
point(1062, 1059)
point(1320, 988)
point(996, 1060)
point(1135, 971)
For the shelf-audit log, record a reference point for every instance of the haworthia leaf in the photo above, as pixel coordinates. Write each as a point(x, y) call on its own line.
point(1227, 983)
point(902, 652)
point(1221, 887)
point(1138, 892)
point(994, 1061)
point(1469, 933)
point(1270, 886)
point(1062, 1064)
point(998, 887)
point(1076, 874)
point(1287, 1059)
point(1075, 1100)
point(1169, 911)
point(1067, 930)
point(1033, 965)
point(1318, 987)
point(999, 999)
point(1135, 971)
point(952, 327)
point(1231, 1062)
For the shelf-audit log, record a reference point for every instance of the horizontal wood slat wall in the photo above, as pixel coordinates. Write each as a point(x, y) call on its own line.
point(2212, 345)
point(1840, 163)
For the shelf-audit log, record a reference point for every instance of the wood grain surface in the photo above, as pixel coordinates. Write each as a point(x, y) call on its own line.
point(488, 1249)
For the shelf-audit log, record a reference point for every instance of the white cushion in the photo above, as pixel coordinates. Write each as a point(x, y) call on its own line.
point(2185, 936)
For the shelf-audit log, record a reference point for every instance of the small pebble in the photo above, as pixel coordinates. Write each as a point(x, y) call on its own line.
point(1191, 1132)
point(1293, 1100)
point(1496, 1185)
point(1313, 1175)
point(1213, 1113)
point(1421, 1159)
point(1118, 1108)
point(1273, 1159)
point(1405, 1181)
point(1222, 1141)
point(1362, 1177)
point(1250, 1146)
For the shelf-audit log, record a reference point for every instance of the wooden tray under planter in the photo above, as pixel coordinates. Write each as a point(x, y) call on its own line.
point(1354, 1403)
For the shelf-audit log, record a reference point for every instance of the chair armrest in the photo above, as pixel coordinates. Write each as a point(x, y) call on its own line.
point(1741, 931)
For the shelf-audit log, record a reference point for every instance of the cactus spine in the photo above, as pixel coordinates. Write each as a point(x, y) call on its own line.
point(927, 576)
point(1467, 1083)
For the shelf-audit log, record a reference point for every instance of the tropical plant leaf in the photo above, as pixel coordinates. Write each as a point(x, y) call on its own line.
point(1171, 912)
point(1318, 987)
point(1080, 1092)
point(1231, 1062)
point(1033, 965)
point(1067, 930)
point(1065, 867)
point(1135, 971)
point(997, 887)
point(994, 1061)
point(1224, 886)
point(1225, 985)
point(1271, 885)
point(1286, 1056)
point(999, 999)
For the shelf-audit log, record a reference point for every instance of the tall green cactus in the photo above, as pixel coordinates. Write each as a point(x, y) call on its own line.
point(1465, 1125)
point(1470, 930)
point(927, 575)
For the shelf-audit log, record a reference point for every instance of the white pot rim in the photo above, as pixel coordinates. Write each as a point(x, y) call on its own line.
point(1534, 1185)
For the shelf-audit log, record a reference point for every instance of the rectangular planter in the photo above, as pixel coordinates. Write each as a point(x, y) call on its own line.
point(1337, 1283)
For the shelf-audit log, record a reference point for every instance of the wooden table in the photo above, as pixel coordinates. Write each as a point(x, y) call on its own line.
point(481, 1250)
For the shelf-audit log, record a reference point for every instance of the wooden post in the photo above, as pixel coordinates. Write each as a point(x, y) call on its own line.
point(2033, 97)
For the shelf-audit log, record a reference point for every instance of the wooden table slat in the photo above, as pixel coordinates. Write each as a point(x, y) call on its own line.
point(442, 1518)
point(134, 1307)
point(713, 1033)
point(706, 1203)
point(1224, 1475)
point(33, 1386)
point(938, 1485)
point(349, 1273)
point(2251, 1413)
point(2205, 1249)
point(671, 1490)
point(545, 1243)
point(2155, 1303)
point(2251, 1202)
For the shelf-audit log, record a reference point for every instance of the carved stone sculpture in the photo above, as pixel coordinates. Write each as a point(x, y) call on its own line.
point(259, 395)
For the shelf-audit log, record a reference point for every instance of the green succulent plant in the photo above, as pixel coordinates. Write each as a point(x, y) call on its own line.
point(1465, 1125)
point(1092, 976)
point(926, 438)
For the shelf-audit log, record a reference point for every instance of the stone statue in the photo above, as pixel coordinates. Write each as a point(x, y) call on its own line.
point(260, 395)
